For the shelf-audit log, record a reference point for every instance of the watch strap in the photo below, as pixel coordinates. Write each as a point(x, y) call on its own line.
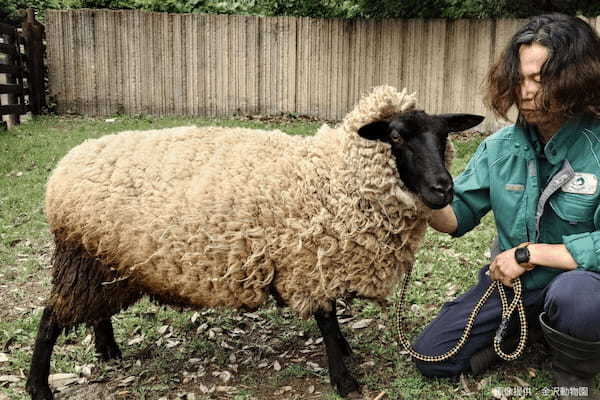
point(527, 265)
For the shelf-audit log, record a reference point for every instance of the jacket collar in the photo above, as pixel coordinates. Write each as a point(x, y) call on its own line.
point(557, 148)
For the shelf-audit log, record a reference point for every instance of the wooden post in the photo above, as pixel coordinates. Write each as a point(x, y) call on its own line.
point(12, 98)
point(33, 32)
point(3, 124)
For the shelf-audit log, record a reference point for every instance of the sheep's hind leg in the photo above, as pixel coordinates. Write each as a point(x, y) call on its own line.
point(48, 332)
point(106, 346)
point(338, 372)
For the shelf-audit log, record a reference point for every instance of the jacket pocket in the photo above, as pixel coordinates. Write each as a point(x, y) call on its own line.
point(574, 208)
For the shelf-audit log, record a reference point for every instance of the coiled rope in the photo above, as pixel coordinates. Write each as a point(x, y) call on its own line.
point(507, 311)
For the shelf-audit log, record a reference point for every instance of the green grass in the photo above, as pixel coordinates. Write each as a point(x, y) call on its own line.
point(221, 339)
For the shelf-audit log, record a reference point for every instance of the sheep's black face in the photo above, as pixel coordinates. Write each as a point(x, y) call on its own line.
point(418, 143)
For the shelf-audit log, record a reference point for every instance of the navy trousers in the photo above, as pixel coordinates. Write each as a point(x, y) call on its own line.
point(571, 301)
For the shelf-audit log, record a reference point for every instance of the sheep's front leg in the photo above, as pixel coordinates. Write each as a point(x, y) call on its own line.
point(48, 332)
point(106, 345)
point(338, 372)
point(345, 346)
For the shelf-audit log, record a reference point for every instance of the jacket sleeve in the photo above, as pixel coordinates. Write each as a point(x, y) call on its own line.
point(472, 192)
point(585, 247)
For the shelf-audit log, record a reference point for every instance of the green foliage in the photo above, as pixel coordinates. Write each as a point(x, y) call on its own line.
point(450, 9)
point(13, 11)
point(456, 9)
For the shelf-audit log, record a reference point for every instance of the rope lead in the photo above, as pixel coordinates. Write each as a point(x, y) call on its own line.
point(507, 311)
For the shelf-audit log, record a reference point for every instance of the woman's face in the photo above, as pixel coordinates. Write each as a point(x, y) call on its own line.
point(532, 57)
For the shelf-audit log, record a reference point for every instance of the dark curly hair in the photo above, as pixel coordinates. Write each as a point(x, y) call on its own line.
point(570, 78)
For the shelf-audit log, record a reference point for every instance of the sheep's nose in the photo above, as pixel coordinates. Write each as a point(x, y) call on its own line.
point(442, 185)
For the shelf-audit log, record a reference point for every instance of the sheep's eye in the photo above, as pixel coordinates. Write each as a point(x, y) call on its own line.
point(396, 137)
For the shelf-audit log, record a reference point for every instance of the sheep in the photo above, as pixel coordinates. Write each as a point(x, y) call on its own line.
point(226, 217)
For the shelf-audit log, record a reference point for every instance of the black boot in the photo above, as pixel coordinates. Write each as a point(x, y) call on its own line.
point(575, 363)
point(482, 360)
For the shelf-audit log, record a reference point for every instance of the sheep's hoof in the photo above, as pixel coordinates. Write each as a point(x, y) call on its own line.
point(39, 391)
point(347, 386)
point(355, 395)
point(108, 353)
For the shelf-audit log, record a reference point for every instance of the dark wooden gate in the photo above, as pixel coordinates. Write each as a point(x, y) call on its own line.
point(22, 62)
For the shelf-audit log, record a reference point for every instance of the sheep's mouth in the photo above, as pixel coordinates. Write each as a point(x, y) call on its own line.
point(435, 200)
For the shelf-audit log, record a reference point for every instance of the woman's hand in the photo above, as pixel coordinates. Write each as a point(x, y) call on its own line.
point(504, 268)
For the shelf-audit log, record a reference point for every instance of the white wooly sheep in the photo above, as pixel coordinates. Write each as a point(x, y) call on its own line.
point(211, 217)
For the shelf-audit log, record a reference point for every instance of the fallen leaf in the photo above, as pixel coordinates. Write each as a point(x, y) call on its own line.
point(61, 380)
point(465, 384)
point(314, 366)
point(276, 366)
point(283, 390)
point(202, 328)
point(9, 378)
point(136, 340)
point(127, 381)
point(194, 317)
point(163, 329)
point(3, 358)
point(224, 376)
point(481, 384)
point(85, 370)
point(452, 290)
point(532, 372)
point(363, 323)
point(87, 340)
point(367, 364)
point(311, 389)
point(204, 389)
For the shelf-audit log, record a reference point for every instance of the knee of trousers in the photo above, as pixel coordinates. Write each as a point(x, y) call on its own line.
point(572, 299)
point(574, 293)
point(452, 367)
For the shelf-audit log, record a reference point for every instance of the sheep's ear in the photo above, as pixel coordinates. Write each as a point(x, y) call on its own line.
point(461, 122)
point(375, 130)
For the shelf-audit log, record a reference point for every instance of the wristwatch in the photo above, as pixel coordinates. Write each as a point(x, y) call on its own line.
point(522, 256)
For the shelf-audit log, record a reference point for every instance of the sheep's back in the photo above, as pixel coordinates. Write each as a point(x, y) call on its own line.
point(188, 213)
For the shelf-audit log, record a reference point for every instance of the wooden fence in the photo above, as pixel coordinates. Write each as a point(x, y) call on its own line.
point(107, 62)
point(21, 62)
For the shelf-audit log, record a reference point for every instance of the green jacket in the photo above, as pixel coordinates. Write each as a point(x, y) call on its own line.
point(537, 194)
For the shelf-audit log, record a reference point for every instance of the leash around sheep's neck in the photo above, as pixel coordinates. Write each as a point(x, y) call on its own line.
point(507, 311)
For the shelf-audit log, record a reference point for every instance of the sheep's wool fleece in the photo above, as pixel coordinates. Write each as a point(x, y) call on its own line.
point(213, 216)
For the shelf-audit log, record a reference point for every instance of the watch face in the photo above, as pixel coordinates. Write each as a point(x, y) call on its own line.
point(522, 255)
